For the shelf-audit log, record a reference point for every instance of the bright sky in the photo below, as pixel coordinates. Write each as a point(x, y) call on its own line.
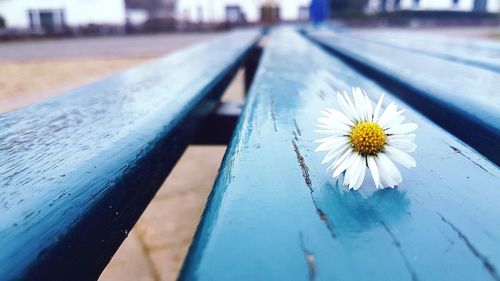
point(215, 9)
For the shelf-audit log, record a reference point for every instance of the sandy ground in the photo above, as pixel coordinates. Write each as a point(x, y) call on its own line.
point(34, 70)
point(137, 46)
point(24, 82)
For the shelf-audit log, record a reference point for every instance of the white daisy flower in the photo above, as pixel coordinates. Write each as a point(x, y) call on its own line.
point(366, 136)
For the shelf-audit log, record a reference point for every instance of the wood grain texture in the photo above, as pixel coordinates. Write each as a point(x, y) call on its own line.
point(461, 98)
point(276, 214)
point(472, 51)
point(76, 171)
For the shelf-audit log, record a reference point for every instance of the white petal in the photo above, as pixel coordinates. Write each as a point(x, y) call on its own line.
point(351, 172)
point(335, 147)
point(396, 120)
point(402, 144)
point(339, 116)
point(376, 112)
point(389, 113)
point(372, 165)
point(339, 160)
point(368, 107)
point(353, 108)
point(331, 123)
point(359, 101)
point(330, 138)
point(390, 169)
point(326, 123)
point(334, 153)
point(345, 107)
point(385, 178)
point(330, 145)
point(401, 157)
point(406, 137)
point(344, 164)
point(402, 129)
point(331, 132)
point(361, 174)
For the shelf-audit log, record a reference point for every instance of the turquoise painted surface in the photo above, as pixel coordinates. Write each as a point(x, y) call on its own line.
point(76, 171)
point(473, 51)
point(276, 214)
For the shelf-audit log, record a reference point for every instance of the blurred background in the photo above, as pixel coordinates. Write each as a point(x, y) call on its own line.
point(28, 18)
point(50, 46)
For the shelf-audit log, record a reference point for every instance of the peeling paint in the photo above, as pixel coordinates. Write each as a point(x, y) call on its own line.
point(303, 166)
point(400, 250)
point(486, 263)
point(310, 259)
point(308, 182)
point(297, 127)
point(460, 152)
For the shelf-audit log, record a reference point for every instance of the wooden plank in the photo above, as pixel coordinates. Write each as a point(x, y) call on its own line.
point(276, 214)
point(458, 97)
point(451, 40)
point(475, 52)
point(76, 171)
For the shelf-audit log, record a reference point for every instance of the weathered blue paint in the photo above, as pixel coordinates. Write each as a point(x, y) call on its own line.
point(276, 214)
point(461, 98)
point(475, 52)
point(76, 171)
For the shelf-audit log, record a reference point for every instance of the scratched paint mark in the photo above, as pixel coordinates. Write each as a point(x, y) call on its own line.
point(460, 152)
point(308, 182)
point(486, 263)
point(310, 258)
point(273, 116)
point(397, 243)
point(322, 216)
point(297, 127)
point(303, 166)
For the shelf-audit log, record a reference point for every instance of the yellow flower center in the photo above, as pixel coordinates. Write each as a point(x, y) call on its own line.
point(367, 138)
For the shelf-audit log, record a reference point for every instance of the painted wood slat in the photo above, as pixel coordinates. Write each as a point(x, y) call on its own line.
point(472, 51)
point(276, 214)
point(76, 171)
point(461, 98)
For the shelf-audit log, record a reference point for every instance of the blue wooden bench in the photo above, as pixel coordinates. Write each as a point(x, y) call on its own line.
point(276, 214)
point(459, 97)
point(474, 51)
point(76, 171)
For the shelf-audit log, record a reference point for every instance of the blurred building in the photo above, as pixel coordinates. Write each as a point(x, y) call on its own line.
point(153, 8)
point(151, 15)
point(212, 11)
point(55, 15)
point(492, 6)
